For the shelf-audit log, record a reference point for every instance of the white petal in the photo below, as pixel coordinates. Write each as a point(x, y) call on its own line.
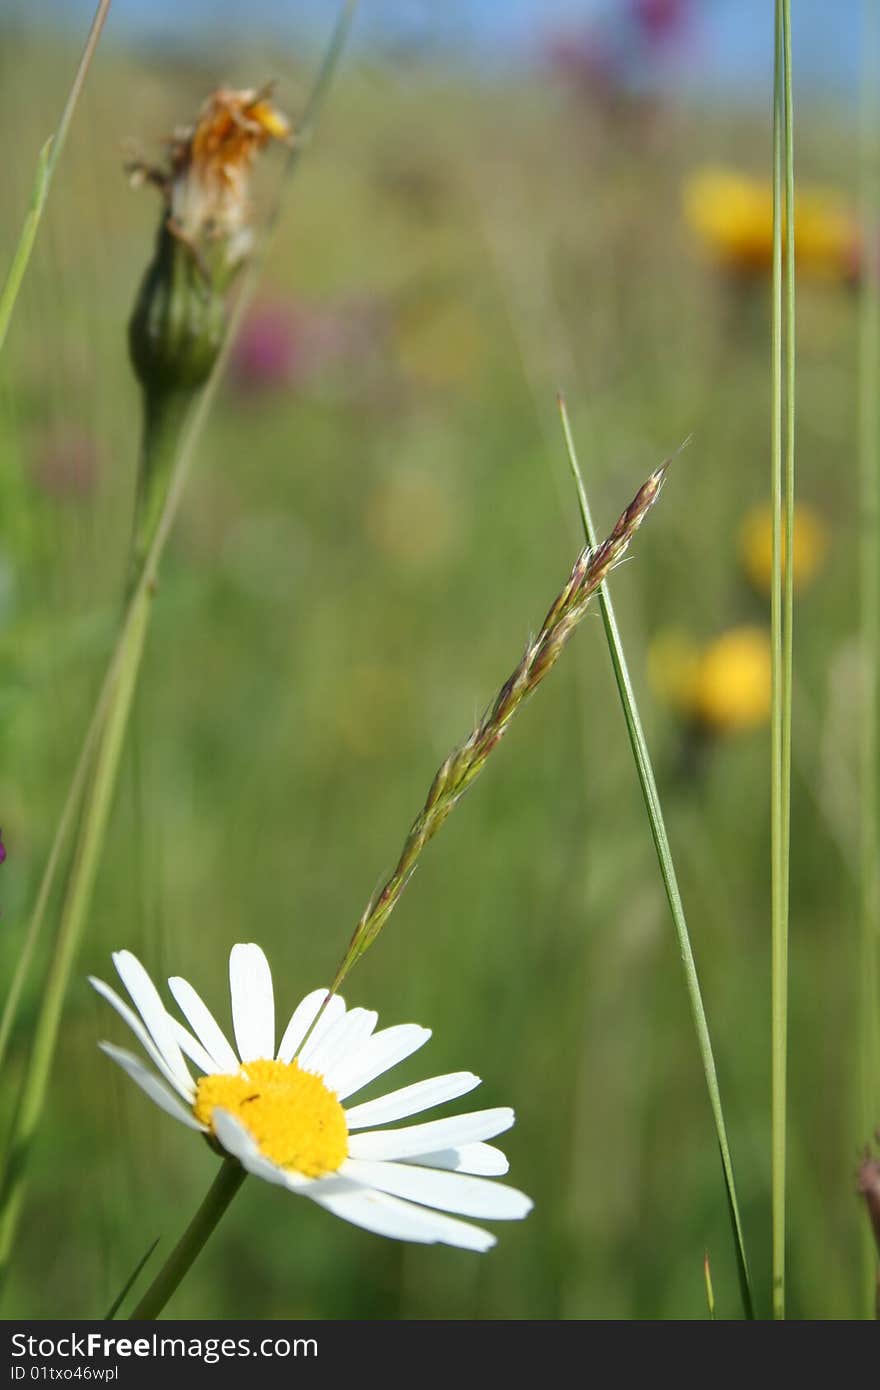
point(411, 1100)
point(145, 997)
point(388, 1216)
point(253, 1003)
point(204, 1025)
point(431, 1187)
point(240, 1143)
point(383, 1051)
point(151, 1084)
point(334, 1011)
point(484, 1159)
point(143, 1037)
point(415, 1140)
point(192, 1048)
point(301, 1021)
point(339, 1042)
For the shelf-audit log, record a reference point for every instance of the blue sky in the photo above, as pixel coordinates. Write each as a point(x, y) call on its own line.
point(731, 42)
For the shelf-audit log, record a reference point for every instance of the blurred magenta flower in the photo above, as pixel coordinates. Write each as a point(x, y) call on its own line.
point(66, 463)
point(661, 21)
point(613, 54)
point(285, 344)
point(268, 350)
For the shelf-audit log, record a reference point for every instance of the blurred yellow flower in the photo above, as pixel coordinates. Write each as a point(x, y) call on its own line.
point(722, 687)
point(732, 215)
point(756, 546)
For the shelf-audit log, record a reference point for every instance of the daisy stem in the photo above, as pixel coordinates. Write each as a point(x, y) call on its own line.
point(651, 797)
point(869, 606)
point(47, 163)
point(465, 762)
point(221, 1192)
point(782, 485)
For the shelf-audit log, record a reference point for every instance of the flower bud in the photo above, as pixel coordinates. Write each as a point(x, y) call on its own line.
point(176, 329)
point(204, 238)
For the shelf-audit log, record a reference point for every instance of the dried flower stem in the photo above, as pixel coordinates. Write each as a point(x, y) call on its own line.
point(464, 763)
point(103, 743)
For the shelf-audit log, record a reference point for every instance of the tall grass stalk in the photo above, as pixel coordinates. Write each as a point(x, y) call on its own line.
point(47, 163)
point(107, 729)
point(868, 1108)
point(782, 487)
point(77, 899)
point(657, 823)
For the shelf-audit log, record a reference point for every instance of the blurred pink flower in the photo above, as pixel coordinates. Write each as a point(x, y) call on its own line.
point(66, 463)
point(661, 20)
point(612, 54)
point(269, 348)
point(284, 344)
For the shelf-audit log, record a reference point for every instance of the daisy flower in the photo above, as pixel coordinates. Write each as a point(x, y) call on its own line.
point(284, 1113)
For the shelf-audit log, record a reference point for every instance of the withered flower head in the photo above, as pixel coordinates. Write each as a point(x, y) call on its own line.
point(204, 237)
point(206, 185)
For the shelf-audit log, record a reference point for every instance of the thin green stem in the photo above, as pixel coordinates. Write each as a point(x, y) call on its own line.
point(53, 863)
point(869, 608)
point(782, 486)
point(657, 823)
point(221, 1192)
point(106, 732)
point(77, 899)
point(47, 163)
point(131, 1281)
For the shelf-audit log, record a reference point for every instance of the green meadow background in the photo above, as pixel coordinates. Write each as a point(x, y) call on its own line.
point(362, 552)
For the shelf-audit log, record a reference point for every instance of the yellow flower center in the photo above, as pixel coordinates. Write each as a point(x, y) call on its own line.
point(295, 1120)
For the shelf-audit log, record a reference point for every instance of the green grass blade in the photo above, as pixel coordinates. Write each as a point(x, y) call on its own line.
point(782, 486)
point(130, 1282)
point(46, 166)
point(653, 807)
point(869, 606)
point(53, 863)
point(710, 1292)
point(26, 240)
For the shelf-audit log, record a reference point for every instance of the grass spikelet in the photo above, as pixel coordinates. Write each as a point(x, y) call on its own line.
point(464, 763)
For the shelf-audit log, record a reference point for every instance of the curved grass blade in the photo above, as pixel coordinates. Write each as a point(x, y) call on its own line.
point(130, 1282)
